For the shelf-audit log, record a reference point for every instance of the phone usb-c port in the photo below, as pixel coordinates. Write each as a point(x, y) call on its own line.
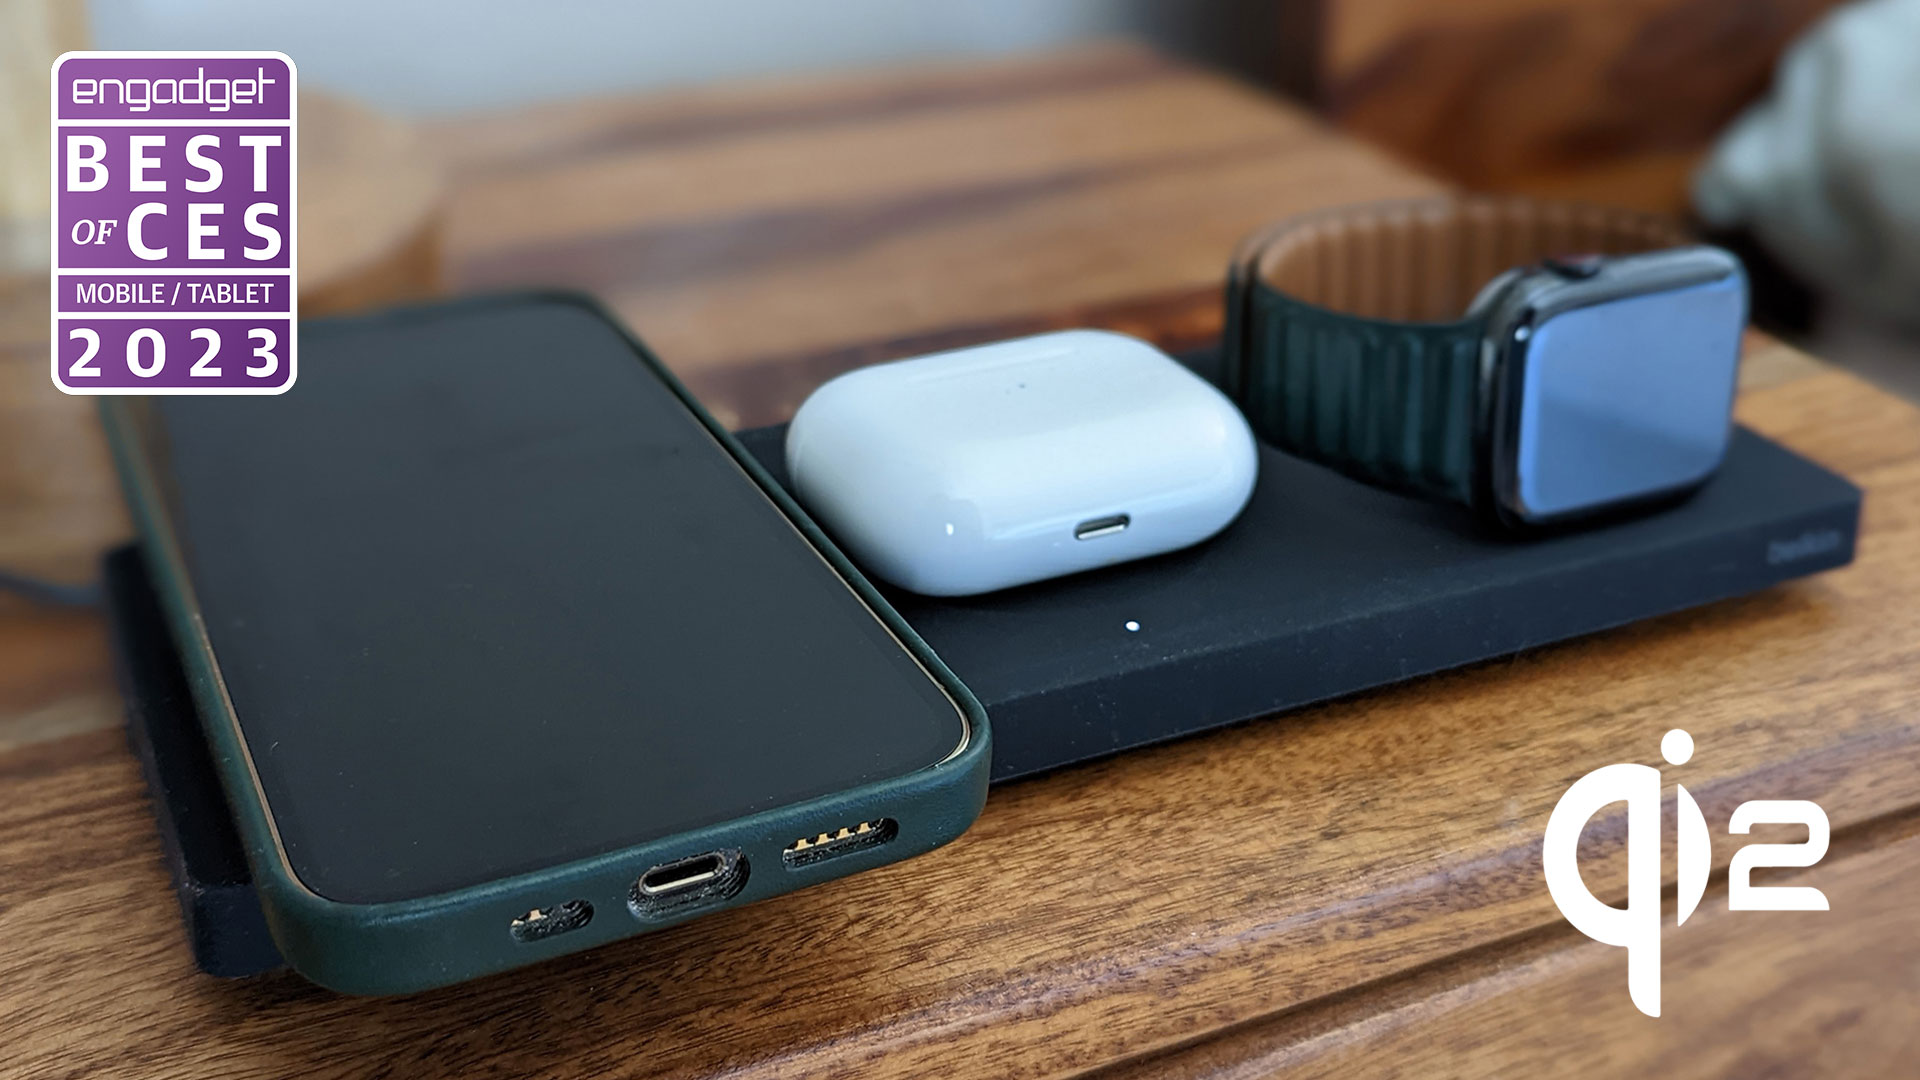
point(674, 887)
point(685, 874)
point(1094, 528)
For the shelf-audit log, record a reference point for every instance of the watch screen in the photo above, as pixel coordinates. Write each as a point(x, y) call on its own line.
point(1628, 398)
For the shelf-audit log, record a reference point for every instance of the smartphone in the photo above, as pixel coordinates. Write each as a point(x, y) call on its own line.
point(506, 649)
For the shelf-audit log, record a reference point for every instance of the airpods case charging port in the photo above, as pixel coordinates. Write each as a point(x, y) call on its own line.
point(979, 469)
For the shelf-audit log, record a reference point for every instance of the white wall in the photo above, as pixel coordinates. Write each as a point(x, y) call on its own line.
point(425, 56)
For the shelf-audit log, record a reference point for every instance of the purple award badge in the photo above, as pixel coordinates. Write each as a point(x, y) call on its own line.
point(175, 178)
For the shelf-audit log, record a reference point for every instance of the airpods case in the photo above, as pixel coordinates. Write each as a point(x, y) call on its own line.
point(973, 470)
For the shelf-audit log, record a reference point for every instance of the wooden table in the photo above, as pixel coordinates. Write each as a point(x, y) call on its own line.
point(1613, 100)
point(1350, 890)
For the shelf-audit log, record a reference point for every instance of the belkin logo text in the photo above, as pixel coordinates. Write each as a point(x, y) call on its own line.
point(1636, 927)
point(1805, 546)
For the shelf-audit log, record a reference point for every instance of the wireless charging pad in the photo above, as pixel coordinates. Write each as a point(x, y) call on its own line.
point(1323, 587)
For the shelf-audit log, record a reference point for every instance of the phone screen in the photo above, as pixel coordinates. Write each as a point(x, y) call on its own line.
point(487, 598)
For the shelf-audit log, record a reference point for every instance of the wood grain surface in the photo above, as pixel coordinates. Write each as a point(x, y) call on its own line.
point(1353, 889)
point(1821, 998)
point(1608, 100)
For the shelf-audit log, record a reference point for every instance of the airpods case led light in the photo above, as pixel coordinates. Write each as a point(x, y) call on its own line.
point(978, 469)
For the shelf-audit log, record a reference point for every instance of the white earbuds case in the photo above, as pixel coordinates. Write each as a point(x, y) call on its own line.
point(973, 470)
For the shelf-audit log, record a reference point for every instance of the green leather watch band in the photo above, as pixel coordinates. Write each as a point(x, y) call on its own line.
point(1346, 341)
point(1389, 403)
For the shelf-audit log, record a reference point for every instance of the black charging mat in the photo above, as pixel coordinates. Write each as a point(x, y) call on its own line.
point(224, 923)
point(1324, 587)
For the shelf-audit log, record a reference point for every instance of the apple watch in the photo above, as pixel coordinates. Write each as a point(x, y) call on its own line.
point(1593, 371)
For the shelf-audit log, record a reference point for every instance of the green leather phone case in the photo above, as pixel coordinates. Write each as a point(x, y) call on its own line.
point(409, 945)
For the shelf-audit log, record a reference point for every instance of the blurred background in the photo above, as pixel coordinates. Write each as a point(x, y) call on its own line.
point(1614, 101)
point(439, 56)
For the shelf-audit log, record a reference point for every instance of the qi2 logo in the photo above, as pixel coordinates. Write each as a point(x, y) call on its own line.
point(1636, 927)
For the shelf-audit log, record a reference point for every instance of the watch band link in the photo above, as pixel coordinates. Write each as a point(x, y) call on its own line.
point(1348, 340)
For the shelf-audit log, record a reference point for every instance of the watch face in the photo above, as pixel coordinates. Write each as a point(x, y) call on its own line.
point(1620, 385)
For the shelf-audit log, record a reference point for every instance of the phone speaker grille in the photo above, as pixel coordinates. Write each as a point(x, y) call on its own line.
point(842, 841)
